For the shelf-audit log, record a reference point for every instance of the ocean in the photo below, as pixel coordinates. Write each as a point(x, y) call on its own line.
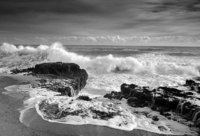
point(125, 51)
point(110, 66)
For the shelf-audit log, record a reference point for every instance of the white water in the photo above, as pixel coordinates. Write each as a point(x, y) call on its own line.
point(106, 72)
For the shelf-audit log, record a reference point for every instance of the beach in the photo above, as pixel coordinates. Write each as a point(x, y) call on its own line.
point(34, 125)
point(9, 113)
point(99, 68)
point(106, 73)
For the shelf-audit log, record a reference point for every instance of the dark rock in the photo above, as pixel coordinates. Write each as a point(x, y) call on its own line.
point(127, 89)
point(189, 93)
point(65, 91)
point(136, 102)
point(68, 70)
point(171, 104)
point(163, 100)
point(42, 81)
point(85, 98)
point(172, 91)
point(60, 70)
point(194, 85)
point(166, 114)
point(16, 71)
point(155, 118)
point(190, 82)
point(113, 95)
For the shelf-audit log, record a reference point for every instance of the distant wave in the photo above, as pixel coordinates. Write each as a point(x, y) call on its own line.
point(184, 54)
point(160, 64)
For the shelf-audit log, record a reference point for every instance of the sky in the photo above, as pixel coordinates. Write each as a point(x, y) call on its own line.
point(96, 22)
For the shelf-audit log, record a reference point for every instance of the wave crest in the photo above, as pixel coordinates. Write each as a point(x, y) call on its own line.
point(151, 64)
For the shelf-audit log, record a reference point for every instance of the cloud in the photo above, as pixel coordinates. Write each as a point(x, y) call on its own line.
point(30, 18)
point(10, 7)
point(167, 40)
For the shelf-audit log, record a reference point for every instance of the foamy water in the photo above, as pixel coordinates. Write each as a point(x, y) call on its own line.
point(107, 72)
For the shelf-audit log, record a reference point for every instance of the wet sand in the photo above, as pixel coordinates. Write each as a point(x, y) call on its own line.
point(34, 125)
point(9, 113)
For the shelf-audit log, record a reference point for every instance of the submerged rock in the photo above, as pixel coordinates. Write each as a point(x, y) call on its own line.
point(96, 111)
point(51, 110)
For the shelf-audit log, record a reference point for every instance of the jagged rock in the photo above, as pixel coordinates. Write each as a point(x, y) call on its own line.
point(136, 102)
point(60, 70)
point(142, 96)
point(162, 99)
point(167, 103)
point(190, 82)
point(127, 89)
point(172, 91)
point(136, 96)
point(68, 70)
point(194, 86)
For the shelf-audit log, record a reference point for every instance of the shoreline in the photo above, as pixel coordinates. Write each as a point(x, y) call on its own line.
point(85, 129)
point(9, 111)
point(101, 125)
point(136, 131)
point(132, 131)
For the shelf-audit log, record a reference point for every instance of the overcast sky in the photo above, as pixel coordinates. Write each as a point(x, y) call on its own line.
point(100, 21)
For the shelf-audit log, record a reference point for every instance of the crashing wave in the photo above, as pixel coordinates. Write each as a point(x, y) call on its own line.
point(144, 64)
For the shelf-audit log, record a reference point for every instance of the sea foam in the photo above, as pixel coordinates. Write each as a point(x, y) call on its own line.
point(106, 72)
point(145, 63)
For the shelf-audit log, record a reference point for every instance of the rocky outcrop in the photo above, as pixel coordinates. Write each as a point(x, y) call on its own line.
point(163, 100)
point(193, 84)
point(67, 70)
point(58, 70)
